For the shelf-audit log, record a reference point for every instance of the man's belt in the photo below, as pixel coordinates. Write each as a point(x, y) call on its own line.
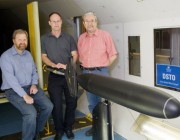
point(92, 68)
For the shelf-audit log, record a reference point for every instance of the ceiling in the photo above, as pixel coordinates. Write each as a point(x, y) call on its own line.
point(108, 11)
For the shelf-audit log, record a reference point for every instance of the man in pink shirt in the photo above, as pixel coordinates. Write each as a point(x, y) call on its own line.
point(96, 53)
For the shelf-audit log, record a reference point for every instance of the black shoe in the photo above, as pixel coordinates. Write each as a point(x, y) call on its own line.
point(58, 136)
point(90, 132)
point(37, 137)
point(69, 134)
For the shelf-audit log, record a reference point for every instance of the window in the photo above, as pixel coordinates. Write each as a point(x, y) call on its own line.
point(134, 55)
point(167, 58)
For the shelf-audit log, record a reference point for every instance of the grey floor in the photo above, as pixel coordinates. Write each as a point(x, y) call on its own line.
point(10, 124)
point(80, 135)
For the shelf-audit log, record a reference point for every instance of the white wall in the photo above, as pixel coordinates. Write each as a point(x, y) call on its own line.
point(116, 31)
point(124, 118)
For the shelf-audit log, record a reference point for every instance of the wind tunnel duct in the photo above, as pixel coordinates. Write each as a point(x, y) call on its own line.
point(78, 27)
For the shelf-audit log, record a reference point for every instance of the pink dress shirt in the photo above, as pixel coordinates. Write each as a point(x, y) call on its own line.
point(96, 50)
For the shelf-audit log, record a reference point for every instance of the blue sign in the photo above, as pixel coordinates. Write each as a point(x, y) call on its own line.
point(168, 75)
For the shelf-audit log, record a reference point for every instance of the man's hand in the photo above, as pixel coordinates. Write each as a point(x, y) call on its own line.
point(28, 99)
point(33, 89)
point(59, 65)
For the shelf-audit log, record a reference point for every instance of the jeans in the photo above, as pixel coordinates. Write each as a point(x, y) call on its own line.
point(34, 115)
point(57, 87)
point(92, 98)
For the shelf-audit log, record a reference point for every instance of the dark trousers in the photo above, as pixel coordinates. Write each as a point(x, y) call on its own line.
point(57, 86)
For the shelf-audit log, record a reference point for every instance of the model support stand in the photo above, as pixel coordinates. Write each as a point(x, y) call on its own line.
point(102, 122)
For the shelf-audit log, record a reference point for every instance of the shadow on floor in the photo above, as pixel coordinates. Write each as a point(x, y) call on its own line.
point(10, 126)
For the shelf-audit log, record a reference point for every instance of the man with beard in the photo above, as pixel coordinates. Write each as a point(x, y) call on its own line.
point(20, 79)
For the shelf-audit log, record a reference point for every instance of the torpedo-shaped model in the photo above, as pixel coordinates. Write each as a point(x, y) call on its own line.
point(144, 99)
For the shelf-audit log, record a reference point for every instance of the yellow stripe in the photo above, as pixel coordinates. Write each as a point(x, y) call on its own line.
point(82, 122)
point(88, 116)
point(31, 30)
point(44, 67)
point(54, 71)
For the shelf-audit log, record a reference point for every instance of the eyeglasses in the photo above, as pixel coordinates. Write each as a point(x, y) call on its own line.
point(54, 22)
point(90, 21)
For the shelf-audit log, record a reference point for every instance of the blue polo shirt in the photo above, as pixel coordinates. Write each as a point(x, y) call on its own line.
point(18, 70)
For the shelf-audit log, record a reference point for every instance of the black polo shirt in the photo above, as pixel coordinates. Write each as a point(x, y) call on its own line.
point(59, 49)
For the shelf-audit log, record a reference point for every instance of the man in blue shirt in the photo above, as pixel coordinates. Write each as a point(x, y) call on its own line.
point(19, 80)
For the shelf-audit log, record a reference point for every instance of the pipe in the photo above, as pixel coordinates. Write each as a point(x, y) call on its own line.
point(155, 129)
